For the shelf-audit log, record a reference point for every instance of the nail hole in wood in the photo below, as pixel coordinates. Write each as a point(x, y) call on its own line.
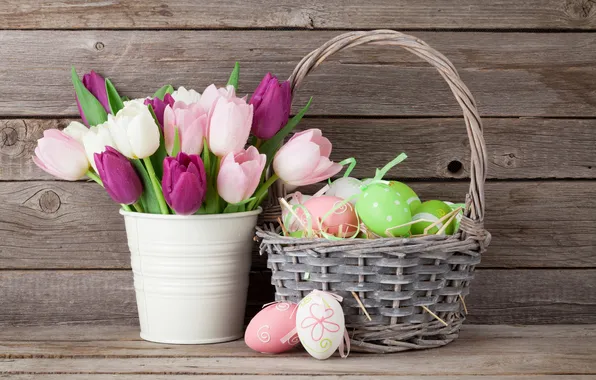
point(455, 167)
point(99, 46)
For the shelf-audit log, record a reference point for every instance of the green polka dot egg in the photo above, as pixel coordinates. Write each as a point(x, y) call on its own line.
point(428, 213)
point(381, 208)
point(406, 191)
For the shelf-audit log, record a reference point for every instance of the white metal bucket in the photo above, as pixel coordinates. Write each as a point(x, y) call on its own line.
point(191, 274)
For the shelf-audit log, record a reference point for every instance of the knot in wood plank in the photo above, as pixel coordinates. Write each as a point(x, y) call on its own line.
point(8, 136)
point(49, 202)
point(580, 9)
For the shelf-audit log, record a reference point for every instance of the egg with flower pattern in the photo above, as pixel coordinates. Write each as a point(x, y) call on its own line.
point(320, 324)
point(272, 330)
point(384, 211)
point(332, 215)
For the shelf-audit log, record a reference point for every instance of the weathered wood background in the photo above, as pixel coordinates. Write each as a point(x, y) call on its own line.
point(531, 65)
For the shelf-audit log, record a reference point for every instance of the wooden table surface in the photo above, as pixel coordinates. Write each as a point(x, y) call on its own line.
point(116, 352)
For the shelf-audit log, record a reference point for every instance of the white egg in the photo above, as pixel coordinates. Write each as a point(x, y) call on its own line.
point(320, 324)
point(345, 188)
point(293, 224)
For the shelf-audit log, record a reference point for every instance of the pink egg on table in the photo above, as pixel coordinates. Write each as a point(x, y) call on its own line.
point(341, 222)
point(273, 329)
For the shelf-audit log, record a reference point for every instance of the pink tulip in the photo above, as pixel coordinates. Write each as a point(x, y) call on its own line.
point(240, 174)
point(212, 93)
point(191, 122)
point(229, 125)
point(304, 159)
point(61, 155)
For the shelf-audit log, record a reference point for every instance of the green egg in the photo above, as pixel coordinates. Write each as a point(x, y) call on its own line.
point(432, 211)
point(380, 207)
point(460, 214)
point(406, 191)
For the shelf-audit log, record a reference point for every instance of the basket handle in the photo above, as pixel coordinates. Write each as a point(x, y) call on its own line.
point(478, 161)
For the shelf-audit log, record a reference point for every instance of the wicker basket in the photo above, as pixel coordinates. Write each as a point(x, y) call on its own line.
point(413, 289)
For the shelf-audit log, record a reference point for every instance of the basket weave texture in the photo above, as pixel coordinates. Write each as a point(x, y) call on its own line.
point(412, 288)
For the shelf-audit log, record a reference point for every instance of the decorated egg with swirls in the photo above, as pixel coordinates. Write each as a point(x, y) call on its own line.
point(384, 211)
point(320, 324)
point(332, 215)
point(273, 329)
point(406, 192)
point(429, 214)
point(290, 221)
point(345, 188)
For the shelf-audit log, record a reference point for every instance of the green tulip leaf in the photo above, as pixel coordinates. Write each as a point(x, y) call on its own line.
point(160, 154)
point(176, 147)
point(116, 103)
point(92, 109)
point(235, 76)
point(271, 146)
point(148, 198)
point(167, 89)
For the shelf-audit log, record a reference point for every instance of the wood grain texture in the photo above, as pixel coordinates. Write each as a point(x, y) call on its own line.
point(78, 341)
point(510, 74)
point(518, 148)
point(50, 224)
point(540, 355)
point(307, 14)
point(107, 296)
point(285, 377)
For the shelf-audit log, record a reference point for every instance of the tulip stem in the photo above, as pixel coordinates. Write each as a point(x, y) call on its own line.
point(261, 191)
point(138, 207)
point(91, 174)
point(163, 207)
point(126, 207)
point(258, 143)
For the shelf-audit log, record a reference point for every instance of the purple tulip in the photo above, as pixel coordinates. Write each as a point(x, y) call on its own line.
point(184, 183)
point(96, 84)
point(272, 102)
point(159, 106)
point(119, 177)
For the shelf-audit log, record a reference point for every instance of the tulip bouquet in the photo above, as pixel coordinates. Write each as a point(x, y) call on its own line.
point(184, 152)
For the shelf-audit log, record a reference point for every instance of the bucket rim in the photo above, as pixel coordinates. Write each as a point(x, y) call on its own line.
point(232, 215)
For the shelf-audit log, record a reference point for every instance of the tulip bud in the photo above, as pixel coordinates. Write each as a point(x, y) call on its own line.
point(96, 85)
point(212, 93)
point(119, 177)
point(304, 159)
point(61, 155)
point(191, 123)
point(240, 174)
point(134, 131)
point(229, 125)
point(272, 102)
point(187, 96)
point(184, 183)
point(159, 106)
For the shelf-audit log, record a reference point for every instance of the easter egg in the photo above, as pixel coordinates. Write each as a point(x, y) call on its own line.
point(332, 215)
point(272, 330)
point(345, 188)
point(290, 221)
point(459, 215)
point(320, 324)
point(381, 208)
point(406, 192)
point(430, 212)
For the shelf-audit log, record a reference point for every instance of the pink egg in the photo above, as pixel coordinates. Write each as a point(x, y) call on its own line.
point(342, 222)
point(273, 329)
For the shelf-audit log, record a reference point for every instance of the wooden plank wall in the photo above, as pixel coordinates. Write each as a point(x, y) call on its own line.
point(531, 65)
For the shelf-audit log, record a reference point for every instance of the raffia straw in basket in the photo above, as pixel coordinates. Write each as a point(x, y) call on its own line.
point(413, 288)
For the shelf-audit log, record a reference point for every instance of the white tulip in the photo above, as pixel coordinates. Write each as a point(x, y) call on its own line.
point(139, 101)
point(95, 141)
point(186, 96)
point(76, 130)
point(134, 131)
